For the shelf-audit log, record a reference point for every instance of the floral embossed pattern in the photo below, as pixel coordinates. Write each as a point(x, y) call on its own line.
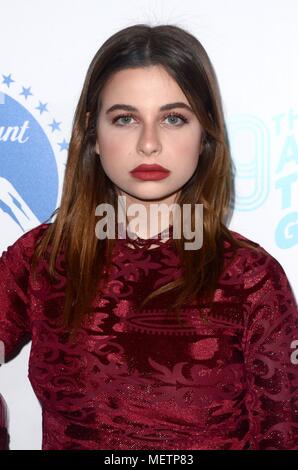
point(219, 378)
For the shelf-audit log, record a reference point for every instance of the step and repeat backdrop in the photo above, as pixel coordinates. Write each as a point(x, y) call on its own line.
point(46, 48)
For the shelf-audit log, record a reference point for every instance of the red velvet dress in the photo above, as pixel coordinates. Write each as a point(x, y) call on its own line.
point(224, 378)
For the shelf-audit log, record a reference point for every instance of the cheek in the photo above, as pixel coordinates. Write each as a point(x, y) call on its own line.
point(186, 143)
point(113, 159)
point(186, 156)
point(111, 147)
point(186, 168)
point(110, 144)
point(112, 152)
point(115, 151)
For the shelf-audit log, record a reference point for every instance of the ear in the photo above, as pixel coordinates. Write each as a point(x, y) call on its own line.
point(86, 125)
point(203, 141)
point(87, 119)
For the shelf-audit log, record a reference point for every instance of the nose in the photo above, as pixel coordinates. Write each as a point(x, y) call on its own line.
point(149, 142)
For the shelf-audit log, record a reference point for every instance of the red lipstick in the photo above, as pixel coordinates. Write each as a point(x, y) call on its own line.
point(150, 172)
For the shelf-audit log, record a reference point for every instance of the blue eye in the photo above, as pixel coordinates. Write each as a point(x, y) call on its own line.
point(177, 116)
point(129, 116)
point(121, 117)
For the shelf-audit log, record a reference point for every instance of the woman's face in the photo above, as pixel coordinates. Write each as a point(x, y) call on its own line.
point(170, 138)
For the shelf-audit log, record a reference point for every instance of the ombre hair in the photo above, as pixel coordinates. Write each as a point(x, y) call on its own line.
point(86, 185)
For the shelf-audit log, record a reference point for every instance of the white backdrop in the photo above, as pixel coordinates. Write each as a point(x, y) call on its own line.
point(46, 47)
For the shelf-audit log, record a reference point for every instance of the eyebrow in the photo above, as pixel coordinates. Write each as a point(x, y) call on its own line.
point(165, 107)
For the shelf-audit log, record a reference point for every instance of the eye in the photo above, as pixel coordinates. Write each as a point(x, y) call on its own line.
point(121, 116)
point(177, 116)
point(170, 116)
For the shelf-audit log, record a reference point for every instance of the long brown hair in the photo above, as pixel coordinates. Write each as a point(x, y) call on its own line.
point(86, 184)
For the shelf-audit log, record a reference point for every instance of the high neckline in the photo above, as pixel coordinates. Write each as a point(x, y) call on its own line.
point(157, 239)
point(167, 233)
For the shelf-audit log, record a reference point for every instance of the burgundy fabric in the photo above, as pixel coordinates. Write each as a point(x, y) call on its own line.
point(220, 378)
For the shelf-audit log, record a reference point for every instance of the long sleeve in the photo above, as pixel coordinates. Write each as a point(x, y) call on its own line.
point(269, 352)
point(14, 322)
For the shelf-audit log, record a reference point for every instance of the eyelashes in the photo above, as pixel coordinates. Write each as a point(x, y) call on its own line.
point(170, 115)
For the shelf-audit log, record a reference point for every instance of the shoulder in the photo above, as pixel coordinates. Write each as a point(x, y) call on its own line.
point(31, 237)
point(257, 263)
point(25, 245)
point(240, 236)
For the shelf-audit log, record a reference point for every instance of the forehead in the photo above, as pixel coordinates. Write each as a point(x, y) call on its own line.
point(142, 84)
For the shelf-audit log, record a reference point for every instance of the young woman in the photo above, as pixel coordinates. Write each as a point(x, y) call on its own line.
point(138, 342)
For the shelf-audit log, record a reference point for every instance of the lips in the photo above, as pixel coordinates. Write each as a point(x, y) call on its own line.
point(150, 172)
point(145, 167)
